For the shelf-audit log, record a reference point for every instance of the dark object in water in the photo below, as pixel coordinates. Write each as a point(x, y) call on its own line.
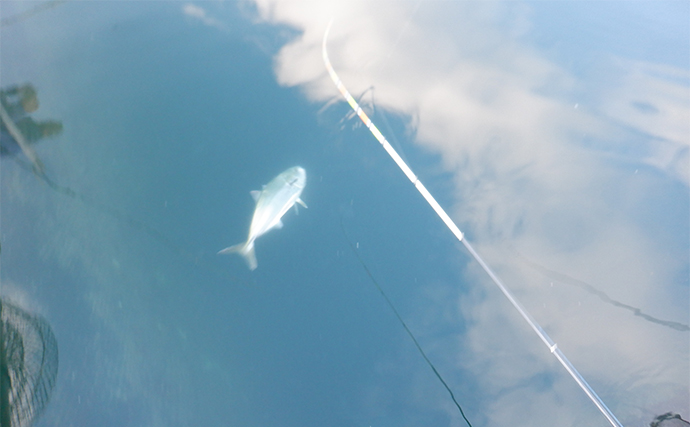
point(28, 365)
point(669, 419)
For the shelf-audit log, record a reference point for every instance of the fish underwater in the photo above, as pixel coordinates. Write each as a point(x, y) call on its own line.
point(272, 202)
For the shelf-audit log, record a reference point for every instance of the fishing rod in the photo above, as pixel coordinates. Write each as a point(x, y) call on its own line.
point(553, 347)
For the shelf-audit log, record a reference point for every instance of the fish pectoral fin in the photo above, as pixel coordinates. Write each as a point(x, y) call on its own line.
point(255, 195)
point(301, 203)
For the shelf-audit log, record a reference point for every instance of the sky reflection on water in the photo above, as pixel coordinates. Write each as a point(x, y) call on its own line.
point(556, 134)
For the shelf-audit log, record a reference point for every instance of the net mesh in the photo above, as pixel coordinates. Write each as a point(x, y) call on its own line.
point(28, 362)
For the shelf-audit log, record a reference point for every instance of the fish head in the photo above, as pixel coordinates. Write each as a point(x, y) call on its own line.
point(296, 177)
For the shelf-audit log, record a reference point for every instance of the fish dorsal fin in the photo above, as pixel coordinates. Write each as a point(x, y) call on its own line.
point(278, 225)
point(255, 195)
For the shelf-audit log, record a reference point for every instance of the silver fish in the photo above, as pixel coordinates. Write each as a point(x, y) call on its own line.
point(272, 202)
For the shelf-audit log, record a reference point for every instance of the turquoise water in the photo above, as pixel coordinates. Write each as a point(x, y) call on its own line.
point(565, 164)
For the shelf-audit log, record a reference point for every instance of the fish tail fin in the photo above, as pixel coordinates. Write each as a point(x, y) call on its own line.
point(246, 250)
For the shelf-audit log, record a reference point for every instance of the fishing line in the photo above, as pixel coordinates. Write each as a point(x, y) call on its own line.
point(132, 222)
point(375, 112)
point(553, 347)
point(402, 322)
point(31, 12)
point(389, 128)
point(351, 114)
point(564, 278)
point(404, 29)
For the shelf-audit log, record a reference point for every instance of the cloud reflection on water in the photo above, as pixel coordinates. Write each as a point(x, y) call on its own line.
point(538, 166)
